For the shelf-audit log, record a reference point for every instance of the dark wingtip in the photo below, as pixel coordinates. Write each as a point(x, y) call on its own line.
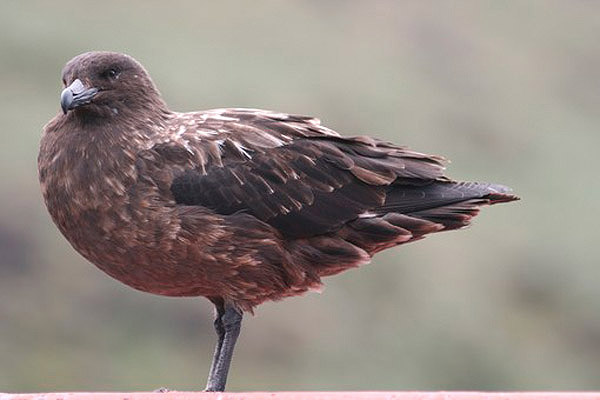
point(500, 194)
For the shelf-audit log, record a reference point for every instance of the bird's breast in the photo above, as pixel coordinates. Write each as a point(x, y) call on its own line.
point(115, 209)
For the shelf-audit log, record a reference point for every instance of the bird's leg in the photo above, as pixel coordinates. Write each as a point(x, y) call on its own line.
point(230, 324)
point(220, 330)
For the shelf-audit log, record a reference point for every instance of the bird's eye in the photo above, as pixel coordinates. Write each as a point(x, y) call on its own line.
point(111, 73)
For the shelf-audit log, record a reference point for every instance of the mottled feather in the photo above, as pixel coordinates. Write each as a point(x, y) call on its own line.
point(243, 205)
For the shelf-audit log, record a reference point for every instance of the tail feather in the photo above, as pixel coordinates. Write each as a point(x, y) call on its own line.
point(412, 211)
point(408, 199)
point(453, 216)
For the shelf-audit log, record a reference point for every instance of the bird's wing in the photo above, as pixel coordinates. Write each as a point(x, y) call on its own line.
point(292, 173)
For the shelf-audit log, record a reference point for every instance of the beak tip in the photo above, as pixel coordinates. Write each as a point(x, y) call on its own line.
point(66, 99)
point(75, 95)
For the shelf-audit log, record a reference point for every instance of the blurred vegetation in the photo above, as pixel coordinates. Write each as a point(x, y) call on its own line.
point(509, 90)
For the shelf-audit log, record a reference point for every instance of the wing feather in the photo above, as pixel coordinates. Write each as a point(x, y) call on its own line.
point(292, 173)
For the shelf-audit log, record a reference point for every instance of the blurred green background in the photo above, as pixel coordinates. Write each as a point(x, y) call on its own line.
point(509, 90)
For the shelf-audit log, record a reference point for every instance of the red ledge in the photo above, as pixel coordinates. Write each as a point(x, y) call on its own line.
point(307, 395)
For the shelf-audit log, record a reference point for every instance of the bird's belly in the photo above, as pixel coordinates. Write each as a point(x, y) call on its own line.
point(172, 250)
point(148, 264)
point(139, 246)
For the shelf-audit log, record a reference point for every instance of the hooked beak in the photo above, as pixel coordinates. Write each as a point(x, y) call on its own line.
point(75, 95)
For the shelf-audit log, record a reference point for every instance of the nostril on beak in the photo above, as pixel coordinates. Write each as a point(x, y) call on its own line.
point(75, 95)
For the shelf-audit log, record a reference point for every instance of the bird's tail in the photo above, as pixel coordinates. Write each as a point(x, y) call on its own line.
point(413, 211)
point(452, 204)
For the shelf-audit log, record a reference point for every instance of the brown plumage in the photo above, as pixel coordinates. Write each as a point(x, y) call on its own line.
point(237, 205)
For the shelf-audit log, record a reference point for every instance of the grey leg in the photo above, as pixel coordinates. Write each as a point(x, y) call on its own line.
point(228, 322)
point(220, 330)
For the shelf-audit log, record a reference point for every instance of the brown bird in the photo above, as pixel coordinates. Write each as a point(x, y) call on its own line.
point(237, 205)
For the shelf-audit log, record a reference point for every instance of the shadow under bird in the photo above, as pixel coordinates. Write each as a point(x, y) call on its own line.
point(237, 205)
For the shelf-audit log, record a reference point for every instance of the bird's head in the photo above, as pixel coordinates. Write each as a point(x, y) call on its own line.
point(102, 84)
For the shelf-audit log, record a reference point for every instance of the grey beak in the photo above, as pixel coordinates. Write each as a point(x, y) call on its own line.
point(75, 95)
